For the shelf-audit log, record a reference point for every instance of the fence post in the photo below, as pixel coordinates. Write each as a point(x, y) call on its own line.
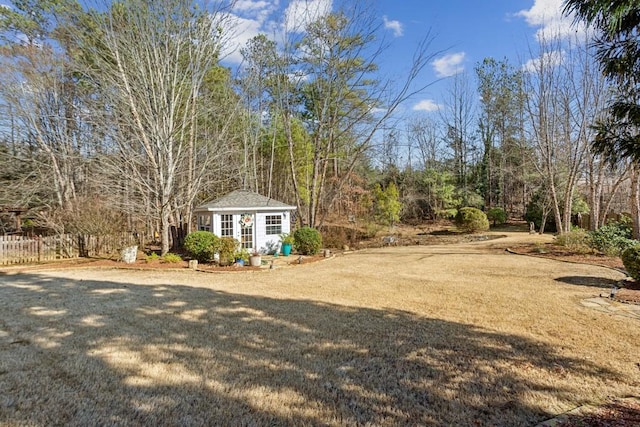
point(39, 242)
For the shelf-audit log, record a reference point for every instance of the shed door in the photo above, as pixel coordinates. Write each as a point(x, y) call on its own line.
point(246, 237)
point(227, 225)
point(236, 226)
point(247, 225)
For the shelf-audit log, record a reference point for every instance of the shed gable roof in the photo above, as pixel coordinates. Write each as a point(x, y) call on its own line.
point(243, 199)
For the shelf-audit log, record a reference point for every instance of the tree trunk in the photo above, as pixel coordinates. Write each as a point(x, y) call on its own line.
point(635, 200)
point(165, 226)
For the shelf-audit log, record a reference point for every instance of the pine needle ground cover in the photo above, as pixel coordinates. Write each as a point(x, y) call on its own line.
point(422, 335)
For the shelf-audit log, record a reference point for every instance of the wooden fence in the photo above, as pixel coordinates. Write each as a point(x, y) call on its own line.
point(24, 249)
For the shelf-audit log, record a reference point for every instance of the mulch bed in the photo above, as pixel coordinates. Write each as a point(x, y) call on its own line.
point(142, 264)
point(562, 253)
point(629, 292)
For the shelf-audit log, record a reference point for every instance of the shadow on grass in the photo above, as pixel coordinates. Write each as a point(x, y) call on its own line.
point(598, 282)
point(81, 352)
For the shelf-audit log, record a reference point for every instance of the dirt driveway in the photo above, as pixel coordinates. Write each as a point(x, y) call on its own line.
point(463, 334)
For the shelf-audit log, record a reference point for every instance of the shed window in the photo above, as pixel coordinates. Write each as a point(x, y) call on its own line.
point(204, 222)
point(274, 224)
point(226, 225)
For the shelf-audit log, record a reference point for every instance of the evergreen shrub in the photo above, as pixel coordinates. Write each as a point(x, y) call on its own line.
point(497, 216)
point(152, 257)
point(631, 261)
point(227, 249)
point(578, 239)
point(613, 238)
point(202, 245)
point(171, 258)
point(471, 220)
point(307, 240)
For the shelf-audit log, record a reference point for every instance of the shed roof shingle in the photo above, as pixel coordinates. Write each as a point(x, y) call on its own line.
point(243, 199)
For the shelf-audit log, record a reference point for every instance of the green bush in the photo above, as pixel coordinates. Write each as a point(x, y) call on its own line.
point(631, 261)
point(202, 245)
point(447, 213)
point(471, 220)
point(171, 258)
point(286, 239)
point(613, 238)
point(153, 256)
point(227, 249)
point(242, 254)
point(371, 229)
point(578, 240)
point(471, 199)
point(307, 240)
point(388, 205)
point(497, 216)
point(535, 209)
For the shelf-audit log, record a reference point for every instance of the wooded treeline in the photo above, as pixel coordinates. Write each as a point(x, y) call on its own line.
point(123, 117)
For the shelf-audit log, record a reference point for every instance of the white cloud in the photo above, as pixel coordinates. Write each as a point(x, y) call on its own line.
point(427, 105)
point(547, 16)
point(252, 17)
point(248, 19)
point(547, 60)
point(300, 13)
point(259, 10)
point(449, 65)
point(244, 6)
point(395, 26)
point(240, 31)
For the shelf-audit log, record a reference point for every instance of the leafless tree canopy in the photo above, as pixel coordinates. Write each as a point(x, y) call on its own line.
point(128, 107)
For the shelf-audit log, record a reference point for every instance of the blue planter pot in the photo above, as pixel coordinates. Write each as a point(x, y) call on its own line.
point(286, 249)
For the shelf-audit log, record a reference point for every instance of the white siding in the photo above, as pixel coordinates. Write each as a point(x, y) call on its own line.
point(286, 223)
point(262, 241)
point(270, 242)
point(216, 225)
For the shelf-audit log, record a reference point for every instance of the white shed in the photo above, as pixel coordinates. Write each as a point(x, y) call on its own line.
point(254, 220)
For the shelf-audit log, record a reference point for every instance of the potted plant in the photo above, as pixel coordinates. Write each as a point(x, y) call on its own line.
point(241, 257)
point(287, 243)
point(255, 259)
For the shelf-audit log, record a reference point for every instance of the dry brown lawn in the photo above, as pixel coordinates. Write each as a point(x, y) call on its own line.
point(463, 334)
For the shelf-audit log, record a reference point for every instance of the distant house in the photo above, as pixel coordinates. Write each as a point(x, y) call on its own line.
point(254, 220)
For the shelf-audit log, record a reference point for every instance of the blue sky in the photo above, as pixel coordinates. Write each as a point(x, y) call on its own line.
point(465, 32)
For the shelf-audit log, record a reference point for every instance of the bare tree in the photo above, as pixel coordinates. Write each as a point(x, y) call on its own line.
point(150, 61)
point(258, 71)
point(423, 134)
point(332, 68)
point(458, 117)
point(565, 96)
point(635, 200)
point(603, 179)
point(45, 122)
